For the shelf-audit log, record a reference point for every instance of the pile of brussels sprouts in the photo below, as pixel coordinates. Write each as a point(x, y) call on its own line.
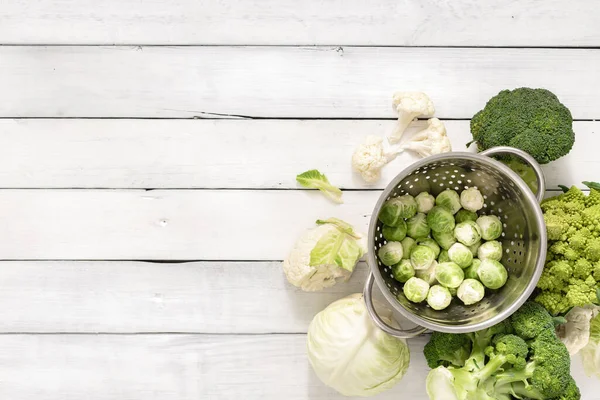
point(440, 248)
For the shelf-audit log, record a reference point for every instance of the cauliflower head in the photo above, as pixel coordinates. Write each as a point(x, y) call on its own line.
point(324, 254)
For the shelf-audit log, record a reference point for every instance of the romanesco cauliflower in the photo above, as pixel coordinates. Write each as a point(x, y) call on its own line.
point(571, 276)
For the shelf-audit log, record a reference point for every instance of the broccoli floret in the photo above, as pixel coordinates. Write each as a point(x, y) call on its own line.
point(533, 120)
point(447, 349)
point(521, 357)
point(530, 320)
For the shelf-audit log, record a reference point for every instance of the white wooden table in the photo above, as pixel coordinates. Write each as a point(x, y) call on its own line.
point(147, 172)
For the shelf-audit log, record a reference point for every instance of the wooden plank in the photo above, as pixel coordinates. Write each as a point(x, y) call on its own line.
point(378, 22)
point(184, 367)
point(166, 225)
point(171, 224)
point(130, 297)
point(349, 82)
point(233, 154)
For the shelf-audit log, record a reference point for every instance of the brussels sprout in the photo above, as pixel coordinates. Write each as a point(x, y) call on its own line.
point(450, 200)
point(425, 202)
point(465, 215)
point(428, 275)
point(417, 227)
point(471, 199)
point(492, 274)
point(416, 290)
point(403, 271)
point(432, 244)
point(444, 239)
point(449, 274)
point(490, 251)
point(397, 209)
point(394, 233)
point(407, 246)
point(470, 291)
point(475, 247)
point(440, 219)
point(471, 270)
point(444, 257)
point(491, 227)
point(452, 290)
point(421, 257)
point(390, 253)
point(460, 254)
point(467, 233)
point(438, 297)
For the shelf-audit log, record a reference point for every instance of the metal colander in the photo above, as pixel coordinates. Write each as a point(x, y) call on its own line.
point(523, 238)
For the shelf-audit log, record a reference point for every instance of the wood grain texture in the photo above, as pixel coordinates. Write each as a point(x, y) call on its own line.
point(166, 225)
point(184, 367)
point(199, 297)
point(312, 82)
point(271, 22)
point(234, 154)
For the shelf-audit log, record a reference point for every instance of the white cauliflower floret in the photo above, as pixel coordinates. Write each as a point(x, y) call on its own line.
point(429, 141)
point(409, 106)
point(370, 157)
point(332, 247)
point(575, 333)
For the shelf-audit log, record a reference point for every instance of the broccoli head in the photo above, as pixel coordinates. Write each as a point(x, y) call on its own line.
point(521, 357)
point(533, 120)
point(447, 349)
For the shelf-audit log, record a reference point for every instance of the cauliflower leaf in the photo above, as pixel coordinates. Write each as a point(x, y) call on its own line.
point(313, 179)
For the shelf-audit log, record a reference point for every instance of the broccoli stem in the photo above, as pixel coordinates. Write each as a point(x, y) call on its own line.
point(519, 390)
point(513, 376)
point(493, 365)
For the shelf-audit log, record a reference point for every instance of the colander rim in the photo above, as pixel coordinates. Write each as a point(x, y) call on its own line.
point(522, 298)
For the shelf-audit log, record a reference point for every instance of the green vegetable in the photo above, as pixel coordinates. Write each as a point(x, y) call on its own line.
point(468, 233)
point(428, 275)
point(444, 239)
point(490, 227)
point(394, 211)
point(470, 291)
point(421, 257)
point(425, 202)
point(491, 250)
point(475, 248)
point(403, 271)
point(492, 274)
point(378, 361)
point(449, 274)
point(390, 253)
point(471, 199)
point(407, 246)
point(572, 271)
point(432, 244)
point(471, 271)
point(440, 220)
point(323, 254)
point(438, 297)
point(416, 289)
point(443, 257)
point(449, 199)
point(521, 357)
point(313, 179)
point(394, 233)
point(533, 120)
point(465, 215)
point(417, 227)
point(460, 254)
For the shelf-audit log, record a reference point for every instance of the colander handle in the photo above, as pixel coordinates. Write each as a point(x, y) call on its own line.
point(399, 333)
point(539, 174)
